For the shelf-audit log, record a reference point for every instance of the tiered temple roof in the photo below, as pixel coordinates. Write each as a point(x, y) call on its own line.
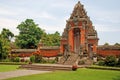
point(79, 14)
point(79, 11)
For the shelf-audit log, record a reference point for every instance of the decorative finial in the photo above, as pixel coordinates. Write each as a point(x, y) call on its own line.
point(79, 2)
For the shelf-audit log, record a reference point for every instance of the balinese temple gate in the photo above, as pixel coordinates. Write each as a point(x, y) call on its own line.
point(79, 36)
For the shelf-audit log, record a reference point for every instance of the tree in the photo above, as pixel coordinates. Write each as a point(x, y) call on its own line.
point(4, 48)
point(7, 34)
point(1, 49)
point(56, 38)
point(5, 39)
point(51, 39)
point(106, 44)
point(29, 35)
point(117, 44)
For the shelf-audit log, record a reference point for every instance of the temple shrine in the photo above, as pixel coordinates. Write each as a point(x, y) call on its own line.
point(79, 34)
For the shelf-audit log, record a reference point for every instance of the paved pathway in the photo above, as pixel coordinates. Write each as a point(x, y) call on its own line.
point(17, 73)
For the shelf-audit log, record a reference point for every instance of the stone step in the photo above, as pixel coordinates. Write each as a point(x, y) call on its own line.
point(46, 68)
point(71, 59)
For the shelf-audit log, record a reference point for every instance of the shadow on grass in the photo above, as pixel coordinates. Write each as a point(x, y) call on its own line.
point(117, 78)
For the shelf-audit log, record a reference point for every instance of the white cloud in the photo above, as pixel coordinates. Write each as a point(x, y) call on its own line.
point(45, 15)
point(61, 4)
point(106, 28)
point(52, 28)
point(105, 20)
point(9, 24)
point(5, 11)
point(108, 16)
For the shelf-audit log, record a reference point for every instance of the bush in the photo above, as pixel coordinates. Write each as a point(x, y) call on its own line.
point(6, 60)
point(17, 59)
point(27, 60)
point(38, 58)
point(22, 60)
point(110, 61)
point(51, 61)
point(32, 58)
point(44, 61)
point(12, 59)
point(101, 63)
point(118, 62)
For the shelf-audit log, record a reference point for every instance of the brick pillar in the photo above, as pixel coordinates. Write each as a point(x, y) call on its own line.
point(95, 46)
point(71, 40)
point(82, 36)
point(61, 48)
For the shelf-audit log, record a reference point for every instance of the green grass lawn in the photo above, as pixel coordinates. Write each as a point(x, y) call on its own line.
point(80, 74)
point(5, 68)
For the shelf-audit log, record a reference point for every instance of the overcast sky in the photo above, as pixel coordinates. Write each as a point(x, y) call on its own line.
point(51, 15)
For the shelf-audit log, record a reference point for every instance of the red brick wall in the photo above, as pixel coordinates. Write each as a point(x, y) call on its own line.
point(108, 52)
point(43, 52)
point(49, 52)
point(62, 43)
point(94, 42)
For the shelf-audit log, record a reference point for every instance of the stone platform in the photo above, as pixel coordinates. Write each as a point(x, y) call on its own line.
point(49, 67)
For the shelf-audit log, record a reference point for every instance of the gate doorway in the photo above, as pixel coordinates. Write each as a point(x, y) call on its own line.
point(76, 40)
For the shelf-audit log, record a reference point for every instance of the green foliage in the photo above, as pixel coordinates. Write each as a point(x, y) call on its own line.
point(4, 48)
point(5, 39)
point(110, 61)
point(29, 35)
point(117, 44)
point(106, 44)
point(38, 58)
point(7, 34)
point(32, 58)
point(51, 39)
point(118, 62)
point(101, 63)
point(17, 59)
point(6, 60)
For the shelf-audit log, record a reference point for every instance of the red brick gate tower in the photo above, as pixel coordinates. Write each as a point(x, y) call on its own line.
point(79, 35)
